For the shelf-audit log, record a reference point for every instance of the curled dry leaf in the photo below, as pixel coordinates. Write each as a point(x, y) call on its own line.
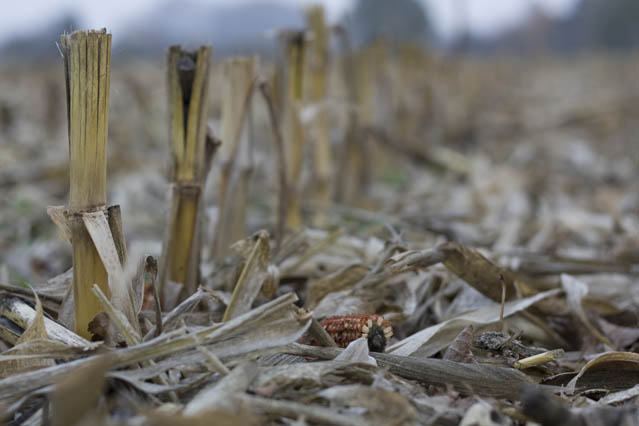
point(611, 370)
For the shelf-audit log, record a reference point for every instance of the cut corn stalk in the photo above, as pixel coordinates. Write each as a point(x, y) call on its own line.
point(318, 71)
point(236, 155)
point(351, 170)
point(87, 73)
point(293, 131)
point(188, 76)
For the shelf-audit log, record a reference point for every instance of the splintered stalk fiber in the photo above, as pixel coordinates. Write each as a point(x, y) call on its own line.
point(188, 76)
point(293, 131)
point(318, 67)
point(87, 57)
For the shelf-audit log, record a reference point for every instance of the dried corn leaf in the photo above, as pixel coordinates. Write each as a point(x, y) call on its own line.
point(36, 331)
point(295, 263)
point(431, 340)
point(169, 320)
point(117, 318)
point(160, 386)
point(381, 406)
point(77, 394)
point(294, 410)
point(344, 278)
point(316, 374)
point(341, 303)
point(357, 351)
point(45, 349)
point(52, 290)
point(460, 348)
point(271, 282)
point(219, 395)
point(254, 274)
point(481, 273)
point(414, 259)
point(22, 314)
point(122, 297)
point(575, 292)
point(620, 336)
point(222, 418)
point(482, 414)
point(66, 313)
point(621, 396)
point(273, 324)
point(58, 215)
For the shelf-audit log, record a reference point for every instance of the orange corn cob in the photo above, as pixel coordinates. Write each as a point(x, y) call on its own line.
point(346, 328)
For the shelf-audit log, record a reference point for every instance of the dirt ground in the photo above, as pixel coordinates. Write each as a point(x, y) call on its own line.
point(484, 175)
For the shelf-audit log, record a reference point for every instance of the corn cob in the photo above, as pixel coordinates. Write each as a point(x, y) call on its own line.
point(346, 328)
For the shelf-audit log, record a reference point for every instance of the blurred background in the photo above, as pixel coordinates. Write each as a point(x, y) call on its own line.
point(502, 124)
point(146, 27)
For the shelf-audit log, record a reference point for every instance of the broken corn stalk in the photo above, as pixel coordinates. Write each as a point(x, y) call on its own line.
point(188, 77)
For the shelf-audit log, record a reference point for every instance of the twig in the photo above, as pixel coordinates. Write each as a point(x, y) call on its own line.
point(503, 303)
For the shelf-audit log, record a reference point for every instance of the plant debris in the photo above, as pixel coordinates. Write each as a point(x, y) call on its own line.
point(387, 238)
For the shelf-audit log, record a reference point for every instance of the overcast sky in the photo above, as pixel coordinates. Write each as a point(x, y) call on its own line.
point(484, 17)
